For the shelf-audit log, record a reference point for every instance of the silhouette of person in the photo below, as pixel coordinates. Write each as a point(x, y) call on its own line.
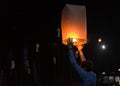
point(84, 69)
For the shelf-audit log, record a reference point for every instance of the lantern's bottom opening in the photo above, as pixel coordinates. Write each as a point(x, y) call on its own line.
point(76, 42)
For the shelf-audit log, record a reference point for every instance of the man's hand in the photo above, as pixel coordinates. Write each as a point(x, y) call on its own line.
point(82, 57)
point(70, 43)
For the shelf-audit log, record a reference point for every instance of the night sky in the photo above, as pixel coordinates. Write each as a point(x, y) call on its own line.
point(33, 20)
point(103, 21)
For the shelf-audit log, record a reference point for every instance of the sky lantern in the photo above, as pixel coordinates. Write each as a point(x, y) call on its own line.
point(99, 39)
point(73, 24)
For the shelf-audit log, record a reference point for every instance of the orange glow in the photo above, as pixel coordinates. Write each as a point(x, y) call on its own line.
point(74, 40)
point(99, 40)
point(73, 24)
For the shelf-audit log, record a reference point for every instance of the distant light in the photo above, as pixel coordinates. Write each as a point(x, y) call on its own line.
point(58, 32)
point(119, 69)
point(99, 40)
point(54, 60)
point(103, 73)
point(103, 47)
point(37, 47)
point(13, 64)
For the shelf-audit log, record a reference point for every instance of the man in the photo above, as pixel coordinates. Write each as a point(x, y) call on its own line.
point(85, 69)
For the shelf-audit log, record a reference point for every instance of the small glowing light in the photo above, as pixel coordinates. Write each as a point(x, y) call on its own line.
point(103, 73)
point(99, 40)
point(37, 45)
point(74, 40)
point(13, 64)
point(119, 69)
point(103, 47)
point(54, 60)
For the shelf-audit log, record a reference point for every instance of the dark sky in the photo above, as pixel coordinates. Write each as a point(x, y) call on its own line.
point(103, 21)
point(32, 19)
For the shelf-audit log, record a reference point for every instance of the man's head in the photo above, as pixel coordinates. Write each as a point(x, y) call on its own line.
point(87, 65)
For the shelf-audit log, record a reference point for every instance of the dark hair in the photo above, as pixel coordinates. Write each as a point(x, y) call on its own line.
point(88, 65)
